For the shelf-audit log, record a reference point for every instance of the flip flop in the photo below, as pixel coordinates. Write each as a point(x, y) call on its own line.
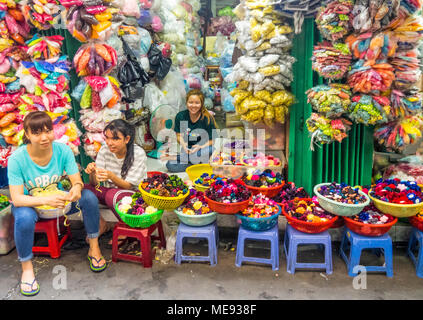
point(32, 292)
point(97, 269)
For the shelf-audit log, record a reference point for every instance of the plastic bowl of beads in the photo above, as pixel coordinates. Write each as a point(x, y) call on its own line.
point(49, 212)
point(370, 222)
point(227, 196)
point(266, 182)
point(349, 201)
point(203, 182)
point(391, 190)
point(261, 214)
point(136, 213)
point(195, 210)
point(417, 221)
point(305, 215)
point(197, 170)
point(163, 192)
point(289, 192)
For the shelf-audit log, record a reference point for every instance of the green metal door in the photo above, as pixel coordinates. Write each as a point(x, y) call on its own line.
point(350, 161)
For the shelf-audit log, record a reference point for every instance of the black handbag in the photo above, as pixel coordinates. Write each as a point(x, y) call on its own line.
point(131, 76)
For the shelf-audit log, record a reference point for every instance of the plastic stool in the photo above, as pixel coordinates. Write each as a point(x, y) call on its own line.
point(358, 243)
point(293, 238)
point(49, 227)
point(143, 236)
point(416, 240)
point(209, 232)
point(271, 235)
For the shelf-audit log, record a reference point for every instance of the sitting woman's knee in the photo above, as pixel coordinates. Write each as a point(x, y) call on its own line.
point(25, 217)
point(88, 197)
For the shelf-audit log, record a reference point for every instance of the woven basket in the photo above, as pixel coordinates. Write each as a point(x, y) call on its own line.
point(338, 208)
point(141, 221)
point(162, 203)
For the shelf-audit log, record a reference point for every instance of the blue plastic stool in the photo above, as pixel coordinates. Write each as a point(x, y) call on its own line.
point(358, 243)
point(271, 235)
point(416, 240)
point(209, 232)
point(293, 238)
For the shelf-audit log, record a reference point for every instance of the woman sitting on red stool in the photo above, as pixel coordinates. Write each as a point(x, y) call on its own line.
point(120, 166)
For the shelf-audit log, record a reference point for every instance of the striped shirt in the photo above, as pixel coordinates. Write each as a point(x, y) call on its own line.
point(136, 173)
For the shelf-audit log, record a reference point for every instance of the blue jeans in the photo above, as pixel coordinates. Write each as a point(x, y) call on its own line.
point(178, 166)
point(26, 217)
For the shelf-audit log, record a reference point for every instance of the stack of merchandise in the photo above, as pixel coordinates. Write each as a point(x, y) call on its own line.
point(264, 72)
point(46, 81)
point(14, 30)
point(223, 23)
point(382, 37)
point(98, 93)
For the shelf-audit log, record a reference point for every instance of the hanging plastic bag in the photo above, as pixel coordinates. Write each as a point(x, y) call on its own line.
point(131, 76)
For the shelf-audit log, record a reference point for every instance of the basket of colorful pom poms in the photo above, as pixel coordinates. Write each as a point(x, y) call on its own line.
point(289, 192)
point(163, 191)
point(261, 214)
point(306, 215)
point(227, 196)
point(398, 198)
point(417, 221)
point(203, 182)
point(266, 182)
point(136, 213)
point(195, 210)
point(341, 199)
point(370, 222)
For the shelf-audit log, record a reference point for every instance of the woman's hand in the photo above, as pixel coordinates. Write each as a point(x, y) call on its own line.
point(103, 175)
point(91, 168)
point(74, 193)
point(57, 201)
point(195, 148)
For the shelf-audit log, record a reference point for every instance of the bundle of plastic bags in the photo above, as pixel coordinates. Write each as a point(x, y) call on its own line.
point(372, 47)
point(97, 92)
point(223, 24)
point(407, 69)
point(334, 20)
point(9, 63)
point(5, 153)
point(371, 78)
point(13, 24)
point(373, 15)
point(94, 59)
point(331, 61)
point(90, 19)
point(405, 103)
point(324, 130)
point(369, 110)
point(41, 14)
point(398, 134)
point(330, 100)
point(44, 48)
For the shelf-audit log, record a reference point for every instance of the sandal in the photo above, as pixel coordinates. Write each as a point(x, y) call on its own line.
point(32, 292)
point(99, 268)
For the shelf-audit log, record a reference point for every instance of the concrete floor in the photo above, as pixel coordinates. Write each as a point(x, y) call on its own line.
point(198, 281)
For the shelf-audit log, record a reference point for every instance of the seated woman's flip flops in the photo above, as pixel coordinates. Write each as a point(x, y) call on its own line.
point(32, 292)
point(99, 268)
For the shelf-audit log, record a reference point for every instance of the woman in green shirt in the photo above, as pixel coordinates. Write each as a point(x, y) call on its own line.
point(194, 130)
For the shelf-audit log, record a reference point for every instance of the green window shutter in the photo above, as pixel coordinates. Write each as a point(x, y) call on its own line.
point(350, 161)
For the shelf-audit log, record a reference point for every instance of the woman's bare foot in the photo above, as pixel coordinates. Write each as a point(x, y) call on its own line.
point(95, 252)
point(28, 277)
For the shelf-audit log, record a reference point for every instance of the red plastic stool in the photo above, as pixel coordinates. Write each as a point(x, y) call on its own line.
point(143, 236)
point(49, 227)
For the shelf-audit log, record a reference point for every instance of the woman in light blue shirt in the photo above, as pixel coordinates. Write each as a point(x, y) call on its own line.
point(39, 164)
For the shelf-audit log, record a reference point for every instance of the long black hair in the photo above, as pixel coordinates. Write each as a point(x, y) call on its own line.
point(126, 129)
